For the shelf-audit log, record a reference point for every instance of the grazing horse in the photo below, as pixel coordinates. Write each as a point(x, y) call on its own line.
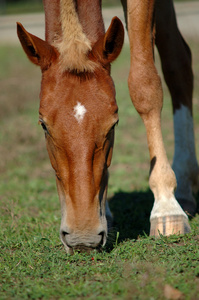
point(78, 111)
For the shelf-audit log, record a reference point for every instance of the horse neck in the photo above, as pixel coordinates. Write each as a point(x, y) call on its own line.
point(52, 14)
point(90, 17)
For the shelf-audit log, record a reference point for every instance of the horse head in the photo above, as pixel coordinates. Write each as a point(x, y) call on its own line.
point(78, 113)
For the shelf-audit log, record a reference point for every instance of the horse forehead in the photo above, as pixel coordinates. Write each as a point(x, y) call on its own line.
point(68, 97)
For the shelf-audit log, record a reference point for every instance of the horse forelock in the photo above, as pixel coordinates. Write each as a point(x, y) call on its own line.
point(74, 46)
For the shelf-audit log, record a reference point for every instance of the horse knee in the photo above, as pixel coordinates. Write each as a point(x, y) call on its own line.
point(145, 89)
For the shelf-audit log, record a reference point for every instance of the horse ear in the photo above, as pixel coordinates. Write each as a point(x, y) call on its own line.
point(113, 40)
point(38, 51)
point(108, 47)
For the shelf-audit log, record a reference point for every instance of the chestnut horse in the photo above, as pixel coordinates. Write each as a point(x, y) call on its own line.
point(78, 111)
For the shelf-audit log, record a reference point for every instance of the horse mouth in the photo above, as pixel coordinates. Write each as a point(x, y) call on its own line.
point(83, 249)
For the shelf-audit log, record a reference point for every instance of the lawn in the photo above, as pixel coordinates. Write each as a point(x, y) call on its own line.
point(29, 6)
point(33, 263)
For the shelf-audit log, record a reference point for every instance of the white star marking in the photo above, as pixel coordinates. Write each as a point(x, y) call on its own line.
point(80, 111)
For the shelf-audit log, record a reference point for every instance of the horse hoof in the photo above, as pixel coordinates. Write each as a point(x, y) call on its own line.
point(169, 225)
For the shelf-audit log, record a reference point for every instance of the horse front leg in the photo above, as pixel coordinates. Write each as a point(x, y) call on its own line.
point(167, 217)
point(176, 65)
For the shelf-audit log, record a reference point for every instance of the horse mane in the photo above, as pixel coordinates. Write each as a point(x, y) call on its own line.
point(73, 45)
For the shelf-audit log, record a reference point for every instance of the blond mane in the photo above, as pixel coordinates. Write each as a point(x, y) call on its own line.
point(73, 45)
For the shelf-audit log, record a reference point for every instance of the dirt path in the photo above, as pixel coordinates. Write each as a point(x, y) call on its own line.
point(187, 13)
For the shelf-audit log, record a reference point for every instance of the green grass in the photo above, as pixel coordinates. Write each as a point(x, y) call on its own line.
point(33, 263)
point(29, 6)
point(21, 7)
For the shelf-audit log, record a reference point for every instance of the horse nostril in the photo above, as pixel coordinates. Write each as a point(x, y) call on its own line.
point(64, 233)
point(65, 237)
point(102, 233)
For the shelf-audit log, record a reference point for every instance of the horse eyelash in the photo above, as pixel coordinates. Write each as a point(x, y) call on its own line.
point(44, 127)
point(114, 125)
point(41, 122)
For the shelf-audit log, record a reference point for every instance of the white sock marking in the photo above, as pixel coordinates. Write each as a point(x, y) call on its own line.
point(80, 111)
point(184, 165)
point(166, 207)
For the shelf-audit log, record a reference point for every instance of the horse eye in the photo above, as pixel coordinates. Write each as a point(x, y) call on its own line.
point(43, 126)
point(113, 127)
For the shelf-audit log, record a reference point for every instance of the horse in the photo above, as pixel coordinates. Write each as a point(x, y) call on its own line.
point(78, 111)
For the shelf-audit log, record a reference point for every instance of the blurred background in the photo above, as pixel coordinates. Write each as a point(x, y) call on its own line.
point(19, 99)
point(26, 6)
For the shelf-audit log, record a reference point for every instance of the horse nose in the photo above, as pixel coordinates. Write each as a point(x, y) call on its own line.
point(82, 242)
point(103, 238)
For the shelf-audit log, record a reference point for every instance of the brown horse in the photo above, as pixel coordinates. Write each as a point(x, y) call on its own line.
point(78, 111)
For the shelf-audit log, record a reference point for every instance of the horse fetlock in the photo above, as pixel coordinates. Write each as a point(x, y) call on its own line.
point(184, 188)
point(162, 181)
point(187, 185)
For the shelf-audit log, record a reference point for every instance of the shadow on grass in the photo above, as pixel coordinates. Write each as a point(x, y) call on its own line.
point(197, 201)
point(131, 212)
